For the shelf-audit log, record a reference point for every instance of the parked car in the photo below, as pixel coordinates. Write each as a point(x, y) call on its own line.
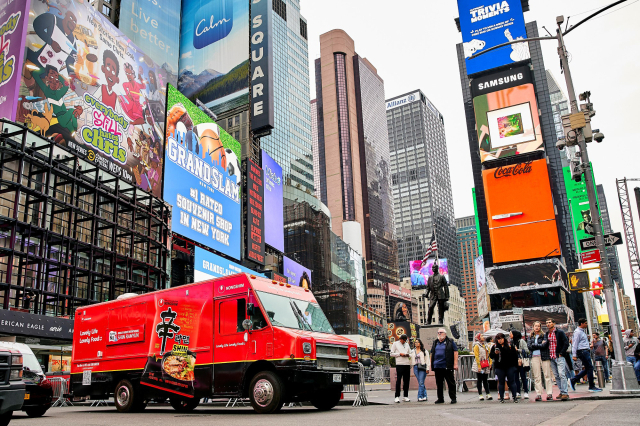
point(12, 388)
point(39, 392)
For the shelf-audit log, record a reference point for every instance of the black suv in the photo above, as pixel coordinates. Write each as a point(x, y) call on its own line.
point(12, 388)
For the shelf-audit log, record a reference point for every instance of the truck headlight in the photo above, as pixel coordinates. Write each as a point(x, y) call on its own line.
point(354, 353)
point(15, 375)
point(306, 347)
point(16, 359)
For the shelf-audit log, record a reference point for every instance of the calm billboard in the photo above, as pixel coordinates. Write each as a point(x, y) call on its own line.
point(296, 273)
point(273, 195)
point(13, 29)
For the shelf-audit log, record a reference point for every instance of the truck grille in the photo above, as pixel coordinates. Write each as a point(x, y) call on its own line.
point(332, 357)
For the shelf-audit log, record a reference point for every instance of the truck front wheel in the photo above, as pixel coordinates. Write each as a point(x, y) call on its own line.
point(327, 399)
point(184, 405)
point(266, 392)
point(127, 398)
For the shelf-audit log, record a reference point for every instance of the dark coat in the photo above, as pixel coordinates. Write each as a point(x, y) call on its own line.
point(561, 340)
point(542, 346)
point(437, 287)
point(448, 353)
point(507, 358)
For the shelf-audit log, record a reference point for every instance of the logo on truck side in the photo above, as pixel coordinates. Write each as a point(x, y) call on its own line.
point(166, 329)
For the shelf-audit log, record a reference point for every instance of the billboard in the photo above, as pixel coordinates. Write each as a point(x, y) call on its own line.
point(262, 109)
point(521, 213)
point(296, 273)
point(202, 165)
point(214, 53)
point(579, 206)
point(398, 328)
point(208, 266)
point(421, 273)
point(13, 28)
point(154, 26)
point(273, 196)
point(534, 275)
point(85, 85)
point(506, 111)
point(255, 213)
point(485, 24)
point(398, 303)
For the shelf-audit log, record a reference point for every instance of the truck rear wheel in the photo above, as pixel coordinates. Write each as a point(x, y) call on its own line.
point(327, 400)
point(128, 399)
point(184, 405)
point(266, 392)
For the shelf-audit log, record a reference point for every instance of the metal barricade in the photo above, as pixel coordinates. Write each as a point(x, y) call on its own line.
point(465, 372)
point(60, 389)
point(359, 389)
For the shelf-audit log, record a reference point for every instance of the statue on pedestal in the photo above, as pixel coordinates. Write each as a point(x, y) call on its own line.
point(437, 293)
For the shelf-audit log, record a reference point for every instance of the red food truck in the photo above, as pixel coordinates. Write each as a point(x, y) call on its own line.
point(233, 337)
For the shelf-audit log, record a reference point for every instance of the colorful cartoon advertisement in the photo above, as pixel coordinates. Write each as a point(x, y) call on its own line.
point(296, 273)
point(420, 273)
point(13, 16)
point(273, 196)
point(204, 177)
point(85, 85)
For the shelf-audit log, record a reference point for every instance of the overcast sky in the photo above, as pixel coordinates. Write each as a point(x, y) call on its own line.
point(412, 44)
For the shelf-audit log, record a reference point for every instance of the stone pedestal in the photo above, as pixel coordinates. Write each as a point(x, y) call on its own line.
point(429, 333)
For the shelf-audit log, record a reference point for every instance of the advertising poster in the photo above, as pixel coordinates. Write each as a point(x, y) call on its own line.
point(488, 23)
point(420, 273)
point(85, 85)
point(527, 276)
point(398, 303)
point(398, 328)
point(483, 306)
point(13, 17)
point(209, 266)
point(214, 53)
point(273, 195)
point(203, 177)
point(579, 205)
point(296, 273)
point(154, 26)
point(506, 111)
point(255, 213)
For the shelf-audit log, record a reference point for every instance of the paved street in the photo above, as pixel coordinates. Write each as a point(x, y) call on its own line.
point(619, 412)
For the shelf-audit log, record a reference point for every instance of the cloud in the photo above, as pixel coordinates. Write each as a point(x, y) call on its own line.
point(187, 55)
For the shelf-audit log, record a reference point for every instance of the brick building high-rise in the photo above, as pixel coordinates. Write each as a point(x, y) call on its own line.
point(467, 253)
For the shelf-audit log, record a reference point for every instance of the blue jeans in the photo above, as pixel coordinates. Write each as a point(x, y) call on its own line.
point(636, 366)
point(605, 365)
point(585, 356)
point(420, 375)
point(559, 366)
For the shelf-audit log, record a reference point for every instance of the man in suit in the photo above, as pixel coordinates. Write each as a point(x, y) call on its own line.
point(438, 294)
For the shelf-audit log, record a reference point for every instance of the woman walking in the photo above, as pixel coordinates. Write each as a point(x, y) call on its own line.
point(540, 361)
point(524, 363)
point(505, 358)
point(482, 366)
point(421, 361)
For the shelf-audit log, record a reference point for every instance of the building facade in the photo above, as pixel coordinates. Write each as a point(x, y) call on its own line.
point(612, 252)
point(422, 199)
point(468, 253)
point(352, 135)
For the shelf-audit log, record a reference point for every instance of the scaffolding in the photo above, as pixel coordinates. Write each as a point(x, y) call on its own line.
point(71, 232)
point(629, 229)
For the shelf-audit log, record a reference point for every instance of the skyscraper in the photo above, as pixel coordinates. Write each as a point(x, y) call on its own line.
point(353, 137)
point(420, 179)
point(468, 252)
point(612, 252)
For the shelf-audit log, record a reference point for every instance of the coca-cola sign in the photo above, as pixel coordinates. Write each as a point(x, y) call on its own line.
point(518, 169)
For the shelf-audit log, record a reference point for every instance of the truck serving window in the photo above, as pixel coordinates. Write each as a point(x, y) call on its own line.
point(231, 313)
point(293, 313)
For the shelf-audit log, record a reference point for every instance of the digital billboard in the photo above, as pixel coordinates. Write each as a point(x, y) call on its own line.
point(296, 273)
point(154, 26)
point(208, 266)
point(273, 199)
point(85, 85)
point(13, 28)
point(255, 213)
point(202, 165)
point(421, 273)
point(527, 276)
point(398, 303)
point(397, 328)
point(579, 205)
point(481, 287)
point(506, 111)
point(485, 24)
point(214, 53)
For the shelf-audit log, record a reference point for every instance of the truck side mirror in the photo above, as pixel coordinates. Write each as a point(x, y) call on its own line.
point(247, 324)
point(250, 308)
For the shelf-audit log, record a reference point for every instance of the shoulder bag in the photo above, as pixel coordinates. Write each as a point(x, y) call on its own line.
point(484, 363)
point(421, 366)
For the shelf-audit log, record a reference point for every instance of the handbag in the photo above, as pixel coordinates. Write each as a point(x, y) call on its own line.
point(484, 363)
point(421, 366)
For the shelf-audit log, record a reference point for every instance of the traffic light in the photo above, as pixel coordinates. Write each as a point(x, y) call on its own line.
point(576, 170)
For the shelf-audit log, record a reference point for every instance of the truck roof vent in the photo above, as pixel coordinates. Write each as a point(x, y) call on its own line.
point(126, 296)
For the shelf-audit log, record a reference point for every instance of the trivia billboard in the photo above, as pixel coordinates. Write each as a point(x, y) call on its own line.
point(13, 27)
point(420, 273)
point(214, 52)
point(208, 265)
point(202, 165)
point(296, 273)
point(488, 23)
point(507, 120)
point(86, 86)
point(273, 196)
point(579, 205)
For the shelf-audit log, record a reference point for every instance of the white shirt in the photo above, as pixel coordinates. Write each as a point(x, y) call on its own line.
point(421, 358)
point(398, 348)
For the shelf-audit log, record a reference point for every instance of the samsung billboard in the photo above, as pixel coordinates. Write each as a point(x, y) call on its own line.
point(488, 23)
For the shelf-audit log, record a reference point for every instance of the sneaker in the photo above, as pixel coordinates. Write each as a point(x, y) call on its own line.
point(397, 400)
point(489, 397)
point(515, 400)
point(439, 401)
point(526, 395)
point(572, 384)
point(518, 395)
point(538, 398)
point(405, 399)
point(595, 390)
point(549, 397)
point(502, 400)
point(481, 398)
point(559, 397)
point(453, 401)
point(565, 397)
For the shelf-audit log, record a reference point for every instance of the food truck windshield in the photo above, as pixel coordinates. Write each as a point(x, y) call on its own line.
point(294, 313)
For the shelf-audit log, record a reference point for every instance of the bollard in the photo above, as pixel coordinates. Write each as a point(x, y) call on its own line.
point(600, 374)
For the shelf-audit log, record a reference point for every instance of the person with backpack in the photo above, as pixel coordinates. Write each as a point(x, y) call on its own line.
point(482, 365)
point(421, 364)
point(522, 384)
point(505, 359)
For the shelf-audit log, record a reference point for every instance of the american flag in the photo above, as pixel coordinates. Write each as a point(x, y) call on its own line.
point(433, 247)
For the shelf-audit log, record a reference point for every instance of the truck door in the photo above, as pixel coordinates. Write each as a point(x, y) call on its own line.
point(229, 347)
point(260, 337)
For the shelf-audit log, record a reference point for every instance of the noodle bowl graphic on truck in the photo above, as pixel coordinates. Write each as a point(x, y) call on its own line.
point(237, 336)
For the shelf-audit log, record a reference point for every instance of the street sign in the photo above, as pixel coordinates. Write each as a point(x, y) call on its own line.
point(591, 257)
point(510, 318)
point(609, 241)
point(579, 280)
point(518, 311)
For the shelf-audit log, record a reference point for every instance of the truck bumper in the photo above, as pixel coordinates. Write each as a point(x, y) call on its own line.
point(323, 379)
point(11, 400)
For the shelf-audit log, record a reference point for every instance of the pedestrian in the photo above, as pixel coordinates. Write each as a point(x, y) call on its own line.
point(505, 361)
point(444, 360)
point(421, 364)
point(482, 366)
point(540, 363)
point(400, 350)
point(581, 350)
point(636, 366)
point(558, 344)
point(630, 343)
point(601, 353)
point(523, 367)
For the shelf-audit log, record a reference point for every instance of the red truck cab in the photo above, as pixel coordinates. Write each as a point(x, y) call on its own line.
point(236, 337)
